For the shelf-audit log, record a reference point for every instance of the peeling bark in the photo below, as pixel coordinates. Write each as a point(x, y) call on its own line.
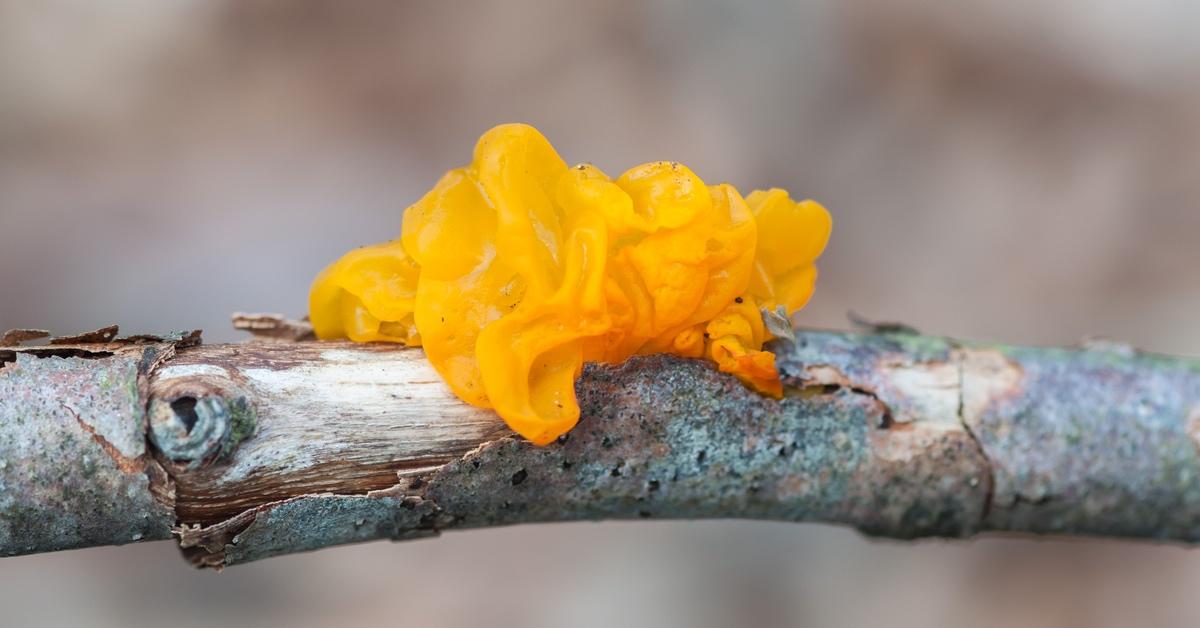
point(255, 450)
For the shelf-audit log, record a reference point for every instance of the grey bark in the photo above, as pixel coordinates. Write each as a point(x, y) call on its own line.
point(254, 450)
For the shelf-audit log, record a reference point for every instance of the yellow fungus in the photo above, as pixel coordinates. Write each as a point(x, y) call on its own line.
point(516, 269)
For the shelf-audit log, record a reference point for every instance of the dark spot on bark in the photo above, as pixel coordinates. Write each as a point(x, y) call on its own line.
point(417, 482)
point(475, 464)
point(519, 477)
point(652, 485)
point(185, 409)
point(567, 464)
point(702, 456)
point(616, 471)
point(606, 442)
point(562, 439)
point(429, 521)
point(57, 352)
point(885, 420)
point(644, 514)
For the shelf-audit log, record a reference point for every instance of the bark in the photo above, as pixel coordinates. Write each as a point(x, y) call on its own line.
point(253, 450)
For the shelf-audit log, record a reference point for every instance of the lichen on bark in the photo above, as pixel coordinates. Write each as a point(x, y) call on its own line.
point(74, 469)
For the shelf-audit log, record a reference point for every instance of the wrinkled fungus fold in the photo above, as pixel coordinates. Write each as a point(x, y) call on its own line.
point(515, 270)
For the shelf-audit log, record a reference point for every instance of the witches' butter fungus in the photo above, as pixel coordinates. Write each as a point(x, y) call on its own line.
point(516, 269)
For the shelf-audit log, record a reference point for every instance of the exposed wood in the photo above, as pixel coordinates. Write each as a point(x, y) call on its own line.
point(330, 417)
point(280, 447)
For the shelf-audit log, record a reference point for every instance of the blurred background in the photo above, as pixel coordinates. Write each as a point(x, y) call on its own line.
point(1015, 170)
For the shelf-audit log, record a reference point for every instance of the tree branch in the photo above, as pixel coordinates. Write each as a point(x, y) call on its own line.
point(255, 450)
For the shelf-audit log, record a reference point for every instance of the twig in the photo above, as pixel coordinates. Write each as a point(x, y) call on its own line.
point(255, 450)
